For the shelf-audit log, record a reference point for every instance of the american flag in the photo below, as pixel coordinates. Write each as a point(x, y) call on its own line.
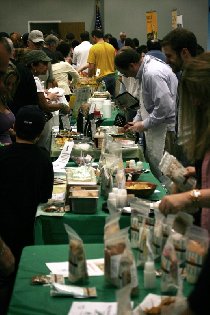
point(98, 24)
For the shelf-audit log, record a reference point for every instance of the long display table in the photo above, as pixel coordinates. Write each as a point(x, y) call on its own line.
point(28, 299)
point(90, 227)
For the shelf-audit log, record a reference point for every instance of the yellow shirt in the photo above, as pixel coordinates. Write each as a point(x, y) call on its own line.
point(102, 56)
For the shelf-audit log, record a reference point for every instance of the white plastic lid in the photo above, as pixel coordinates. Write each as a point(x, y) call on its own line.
point(149, 266)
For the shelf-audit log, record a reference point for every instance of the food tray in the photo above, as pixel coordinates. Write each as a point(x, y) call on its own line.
point(74, 176)
point(86, 205)
point(140, 189)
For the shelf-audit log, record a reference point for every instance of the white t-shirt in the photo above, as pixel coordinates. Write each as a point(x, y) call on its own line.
point(39, 85)
point(80, 54)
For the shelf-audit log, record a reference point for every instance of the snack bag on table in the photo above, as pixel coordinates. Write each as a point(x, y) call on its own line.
point(77, 260)
point(119, 262)
point(197, 247)
point(173, 169)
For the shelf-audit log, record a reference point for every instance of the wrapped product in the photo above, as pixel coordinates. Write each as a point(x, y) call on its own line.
point(182, 222)
point(197, 247)
point(139, 209)
point(123, 301)
point(169, 266)
point(70, 290)
point(172, 168)
point(77, 260)
point(146, 232)
point(120, 267)
point(158, 241)
point(167, 226)
point(112, 225)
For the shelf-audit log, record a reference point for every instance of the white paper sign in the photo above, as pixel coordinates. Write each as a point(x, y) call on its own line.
point(64, 156)
point(59, 196)
point(93, 308)
point(95, 267)
point(61, 268)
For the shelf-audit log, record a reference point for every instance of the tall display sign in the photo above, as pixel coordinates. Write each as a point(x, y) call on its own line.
point(151, 25)
point(174, 19)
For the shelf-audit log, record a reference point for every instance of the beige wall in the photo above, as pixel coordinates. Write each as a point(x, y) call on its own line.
point(129, 16)
point(119, 15)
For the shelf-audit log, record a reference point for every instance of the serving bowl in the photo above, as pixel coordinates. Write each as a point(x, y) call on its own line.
point(140, 189)
point(82, 160)
point(132, 174)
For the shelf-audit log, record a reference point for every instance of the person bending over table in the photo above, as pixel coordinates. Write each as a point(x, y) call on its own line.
point(158, 88)
point(37, 61)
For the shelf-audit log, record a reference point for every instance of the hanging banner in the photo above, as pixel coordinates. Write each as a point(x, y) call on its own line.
point(151, 25)
point(174, 19)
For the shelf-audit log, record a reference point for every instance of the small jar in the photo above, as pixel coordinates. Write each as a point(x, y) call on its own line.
point(99, 138)
point(132, 164)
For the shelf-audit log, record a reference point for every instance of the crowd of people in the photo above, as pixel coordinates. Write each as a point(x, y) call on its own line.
point(170, 79)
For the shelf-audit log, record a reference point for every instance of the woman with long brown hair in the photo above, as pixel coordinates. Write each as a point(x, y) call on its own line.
point(195, 118)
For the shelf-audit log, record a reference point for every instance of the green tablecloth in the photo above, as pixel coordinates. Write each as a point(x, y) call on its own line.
point(90, 227)
point(33, 300)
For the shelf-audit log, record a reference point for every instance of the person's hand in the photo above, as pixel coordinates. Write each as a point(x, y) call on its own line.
point(7, 260)
point(53, 96)
point(175, 203)
point(12, 132)
point(128, 125)
point(136, 126)
point(187, 311)
point(65, 109)
point(190, 171)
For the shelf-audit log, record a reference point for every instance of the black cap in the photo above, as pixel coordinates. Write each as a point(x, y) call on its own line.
point(30, 122)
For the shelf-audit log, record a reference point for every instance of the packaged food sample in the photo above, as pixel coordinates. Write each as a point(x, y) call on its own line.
point(77, 259)
point(119, 262)
point(139, 210)
point(170, 267)
point(124, 301)
point(70, 290)
point(172, 168)
point(112, 225)
point(197, 247)
point(47, 279)
point(182, 222)
point(158, 241)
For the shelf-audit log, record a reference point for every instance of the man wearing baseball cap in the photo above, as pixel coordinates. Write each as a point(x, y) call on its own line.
point(36, 42)
point(26, 180)
point(30, 122)
point(35, 39)
point(36, 56)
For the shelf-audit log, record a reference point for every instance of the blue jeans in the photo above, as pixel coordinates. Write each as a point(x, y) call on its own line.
point(110, 83)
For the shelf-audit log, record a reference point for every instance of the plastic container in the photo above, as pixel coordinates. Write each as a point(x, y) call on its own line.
point(97, 102)
point(86, 205)
point(107, 109)
point(98, 139)
point(84, 200)
point(149, 275)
